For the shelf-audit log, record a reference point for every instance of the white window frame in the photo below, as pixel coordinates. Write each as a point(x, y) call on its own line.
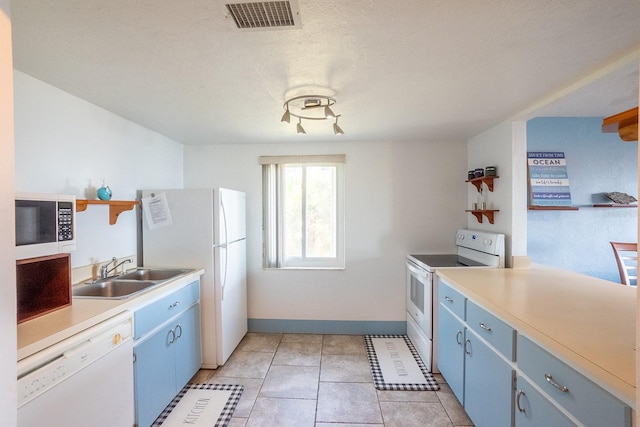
point(272, 226)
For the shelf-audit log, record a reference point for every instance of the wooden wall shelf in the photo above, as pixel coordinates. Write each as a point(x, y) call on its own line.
point(488, 213)
point(613, 205)
point(116, 207)
point(575, 208)
point(625, 124)
point(552, 208)
point(486, 179)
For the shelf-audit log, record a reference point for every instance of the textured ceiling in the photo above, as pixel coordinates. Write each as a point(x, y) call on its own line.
point(400, 70)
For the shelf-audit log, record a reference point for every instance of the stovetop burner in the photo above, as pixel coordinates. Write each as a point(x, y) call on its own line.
point(445, 260)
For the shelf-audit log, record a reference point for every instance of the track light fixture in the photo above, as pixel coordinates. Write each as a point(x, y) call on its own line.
point(299, 127)
point(311, 107)
point(328, 112)
point(286, 117)
point(337, 129)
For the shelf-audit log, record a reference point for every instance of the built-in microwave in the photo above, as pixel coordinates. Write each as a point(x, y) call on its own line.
point(45, 224)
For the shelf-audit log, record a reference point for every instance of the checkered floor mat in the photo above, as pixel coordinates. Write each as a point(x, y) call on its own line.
point(193, 417)
point(416, 364)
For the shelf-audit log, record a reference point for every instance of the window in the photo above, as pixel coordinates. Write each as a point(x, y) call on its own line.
point(303, 211)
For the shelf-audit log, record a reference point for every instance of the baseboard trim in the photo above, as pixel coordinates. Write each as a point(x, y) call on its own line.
point(346, 327)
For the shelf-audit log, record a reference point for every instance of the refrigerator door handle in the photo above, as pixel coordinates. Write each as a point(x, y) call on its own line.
point(224, 277)
point(224, 246)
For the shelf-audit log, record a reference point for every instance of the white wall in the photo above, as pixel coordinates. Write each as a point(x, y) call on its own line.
point(8, 394)
point(495, 147)
point(67, 145)
point(400, 198)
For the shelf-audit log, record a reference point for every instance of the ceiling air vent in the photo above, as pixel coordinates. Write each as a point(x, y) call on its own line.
point(260, 15)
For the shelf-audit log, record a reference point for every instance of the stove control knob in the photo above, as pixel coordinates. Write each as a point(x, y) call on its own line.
point(487, 242)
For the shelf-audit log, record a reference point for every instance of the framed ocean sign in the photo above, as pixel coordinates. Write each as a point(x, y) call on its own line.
point(548, 179)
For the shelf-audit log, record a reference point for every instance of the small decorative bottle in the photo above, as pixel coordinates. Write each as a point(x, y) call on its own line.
point(482, 198)
point(104, 192)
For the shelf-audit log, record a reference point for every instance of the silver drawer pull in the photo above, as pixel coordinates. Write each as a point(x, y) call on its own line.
point(520, 407)
point(458, 336)
point(485, 327)
point(175, 304)
point(562, 388)
point(448, 299)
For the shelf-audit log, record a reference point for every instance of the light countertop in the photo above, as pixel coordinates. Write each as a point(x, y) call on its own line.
point(588, 323)
point(39, 333)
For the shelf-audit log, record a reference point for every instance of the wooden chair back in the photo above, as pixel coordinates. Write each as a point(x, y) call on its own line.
point(627, 260)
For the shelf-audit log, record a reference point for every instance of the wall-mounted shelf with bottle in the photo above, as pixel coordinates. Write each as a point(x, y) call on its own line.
point(486, 179)
point(116, 207)
point(478, 213)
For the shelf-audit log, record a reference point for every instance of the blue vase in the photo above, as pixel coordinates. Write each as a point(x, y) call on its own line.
point(104, 193)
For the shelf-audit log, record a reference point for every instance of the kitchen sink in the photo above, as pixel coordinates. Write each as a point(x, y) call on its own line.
point(112, 288)
point(153, 274)
point(128, 284)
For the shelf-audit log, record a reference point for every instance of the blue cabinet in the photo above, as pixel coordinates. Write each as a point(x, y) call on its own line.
point(505, 379)
point(167, 352)
point(479, 374)
point(497, 333)
point(155, 385)
point(187, 348)
point(534, 410)
point(451, 336)
point(149, 317)
point(488, 379)
point(566, 388)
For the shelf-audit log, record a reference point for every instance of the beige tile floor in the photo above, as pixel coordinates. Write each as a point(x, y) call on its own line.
point(302, 380)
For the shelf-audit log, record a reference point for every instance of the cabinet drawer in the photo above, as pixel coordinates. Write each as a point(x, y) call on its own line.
point(451, 299)
point(533, 409)
point(157, 312)
point(585, 400)
point(495, 331)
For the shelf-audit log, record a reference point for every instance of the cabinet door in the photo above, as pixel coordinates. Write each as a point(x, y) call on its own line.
point(156, 313)
point(580, 396)
point(154, 376)
point(533, 409)
point(451, 336)
point(187, 348)
point(488, 384)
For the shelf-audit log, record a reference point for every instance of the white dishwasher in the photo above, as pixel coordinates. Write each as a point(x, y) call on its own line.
point(85, 380)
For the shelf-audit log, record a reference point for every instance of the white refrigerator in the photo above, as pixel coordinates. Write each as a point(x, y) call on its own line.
point(207, 230)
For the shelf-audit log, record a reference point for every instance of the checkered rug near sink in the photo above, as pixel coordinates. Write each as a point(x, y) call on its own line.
point(396, 365)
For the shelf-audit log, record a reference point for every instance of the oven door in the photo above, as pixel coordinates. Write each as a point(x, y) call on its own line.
point(419, 294)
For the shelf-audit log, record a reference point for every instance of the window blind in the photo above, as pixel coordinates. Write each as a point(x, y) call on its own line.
point(322, 158)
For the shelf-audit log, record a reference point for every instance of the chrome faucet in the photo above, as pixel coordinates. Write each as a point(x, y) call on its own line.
point(104, 272)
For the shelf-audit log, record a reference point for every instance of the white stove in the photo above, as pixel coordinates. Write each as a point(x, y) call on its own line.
point(474, 249)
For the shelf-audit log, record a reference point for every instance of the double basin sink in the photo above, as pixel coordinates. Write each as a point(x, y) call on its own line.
point(126, 285)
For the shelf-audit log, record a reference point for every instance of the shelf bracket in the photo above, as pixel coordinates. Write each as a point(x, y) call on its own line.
point(486, 179)
point(116, 207)
point(488, 213)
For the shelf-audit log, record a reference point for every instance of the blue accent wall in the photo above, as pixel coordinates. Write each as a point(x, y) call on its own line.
point(343, 327)
point(596, 163)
